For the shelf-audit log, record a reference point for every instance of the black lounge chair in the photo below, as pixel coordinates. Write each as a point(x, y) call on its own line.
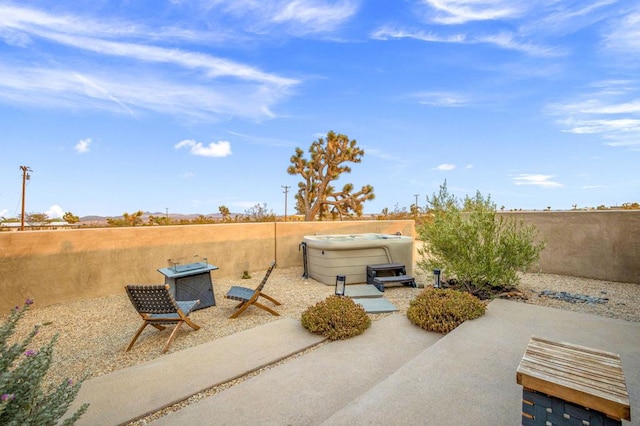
point(249, 296)
point(157, 307)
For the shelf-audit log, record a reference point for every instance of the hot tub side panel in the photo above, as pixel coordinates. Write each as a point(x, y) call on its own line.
point(325, 264)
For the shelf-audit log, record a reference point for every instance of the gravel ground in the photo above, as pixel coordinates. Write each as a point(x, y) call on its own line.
point(94, 333)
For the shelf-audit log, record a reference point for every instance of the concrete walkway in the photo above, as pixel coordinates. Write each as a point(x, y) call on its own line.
point(395, 373)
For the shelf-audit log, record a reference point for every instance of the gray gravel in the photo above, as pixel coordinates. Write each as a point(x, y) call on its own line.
point(94, 333)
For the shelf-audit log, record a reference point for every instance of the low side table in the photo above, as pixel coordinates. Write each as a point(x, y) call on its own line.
point(566, 384)
point(191, 282)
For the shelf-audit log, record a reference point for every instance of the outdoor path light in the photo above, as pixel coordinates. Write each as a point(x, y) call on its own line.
point(341, 281)
point(436, 278)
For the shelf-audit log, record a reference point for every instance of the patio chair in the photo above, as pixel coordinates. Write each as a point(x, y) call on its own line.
point(158, 308)
point(249, 296)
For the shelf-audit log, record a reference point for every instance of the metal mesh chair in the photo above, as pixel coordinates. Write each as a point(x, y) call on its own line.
point(249, 296)
point(157, 307)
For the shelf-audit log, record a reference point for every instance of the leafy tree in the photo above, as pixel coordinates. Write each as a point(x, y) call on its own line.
point(70, 218)
point(159, 220)
point(37, 219)
point(203, 220)
point(471, 243)
point(127, 219)
point(259, 213)
point(316, 197)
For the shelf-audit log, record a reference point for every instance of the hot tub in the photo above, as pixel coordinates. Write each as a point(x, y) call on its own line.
point(349, 254)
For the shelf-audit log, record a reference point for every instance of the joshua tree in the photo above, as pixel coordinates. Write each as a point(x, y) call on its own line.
point(316, 197)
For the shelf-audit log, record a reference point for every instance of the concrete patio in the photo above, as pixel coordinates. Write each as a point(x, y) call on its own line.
point(395, 373)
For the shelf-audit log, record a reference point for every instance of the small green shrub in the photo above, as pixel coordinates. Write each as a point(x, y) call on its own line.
point(246, 275)
point(336, 318)
point(22, 399)
point(471, 243)
point(442, 310)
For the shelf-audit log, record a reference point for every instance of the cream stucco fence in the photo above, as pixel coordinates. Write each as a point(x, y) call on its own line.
point(59, 266)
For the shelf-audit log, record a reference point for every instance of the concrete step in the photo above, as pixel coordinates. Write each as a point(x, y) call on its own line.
point(309, 389)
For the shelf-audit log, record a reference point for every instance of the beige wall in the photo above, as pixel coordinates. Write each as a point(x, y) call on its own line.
point(58, 266)
point(592, 244)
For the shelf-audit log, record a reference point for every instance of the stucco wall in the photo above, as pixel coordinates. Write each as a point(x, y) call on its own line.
point(59, 266)
point(592, 244)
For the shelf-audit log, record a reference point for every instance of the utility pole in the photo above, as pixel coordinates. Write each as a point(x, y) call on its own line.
point(416, 195)
point(166, 215)
point(25, 177)
point(286, 192)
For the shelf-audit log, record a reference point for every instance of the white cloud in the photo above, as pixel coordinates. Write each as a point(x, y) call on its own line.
point(214, 149)
point(55, 211)
point(3, 213)
point(536, 180)
point(612, 111)
point(624, 35)
point(441, 99)
point(314, 16)
point(83, 146)
point(462, 11)
point(504, 40)
point(197, 84)
point(445, 167)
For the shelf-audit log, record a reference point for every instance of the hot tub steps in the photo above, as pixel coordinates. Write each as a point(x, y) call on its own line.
point(389, 274)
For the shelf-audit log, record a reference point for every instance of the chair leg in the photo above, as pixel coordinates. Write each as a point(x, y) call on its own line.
point(191, 324)
point(270, 298)
point(136, 336)
point(266, 308)
point(243, 306)
point(173, 334)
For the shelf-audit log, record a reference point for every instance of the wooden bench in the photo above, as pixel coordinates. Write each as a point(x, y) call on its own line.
point(566, 384)
point(387, 274)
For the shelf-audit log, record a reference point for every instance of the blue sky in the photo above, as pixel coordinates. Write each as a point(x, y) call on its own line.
point(187, 105)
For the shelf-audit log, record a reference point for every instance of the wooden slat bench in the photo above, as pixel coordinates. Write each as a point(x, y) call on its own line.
point(570, 384)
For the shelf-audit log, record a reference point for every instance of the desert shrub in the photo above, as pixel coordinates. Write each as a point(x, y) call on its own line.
point(336, 318)
point(469, 242)
point(442, 310)
point(23, 401)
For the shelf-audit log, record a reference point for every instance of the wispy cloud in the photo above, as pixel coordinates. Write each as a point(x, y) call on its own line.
point(612, 111)
point(462, 11)
point(193, 83)
point(503, 40)
point(295, 17)
point(214, 149)
point(544, 181)
point(314, 16)
point(441, 99)
point(83, 146)
point(624, 35)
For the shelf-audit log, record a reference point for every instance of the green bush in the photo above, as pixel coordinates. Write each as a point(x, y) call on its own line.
point(469, 242)
point(336, 318)
point(442, 310)
point(22, 399)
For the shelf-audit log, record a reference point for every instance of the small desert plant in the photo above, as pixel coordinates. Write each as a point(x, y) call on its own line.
point(469, 242)
point(336, 318)
point(246, 275)
point(442, 310)
point(22, 399)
